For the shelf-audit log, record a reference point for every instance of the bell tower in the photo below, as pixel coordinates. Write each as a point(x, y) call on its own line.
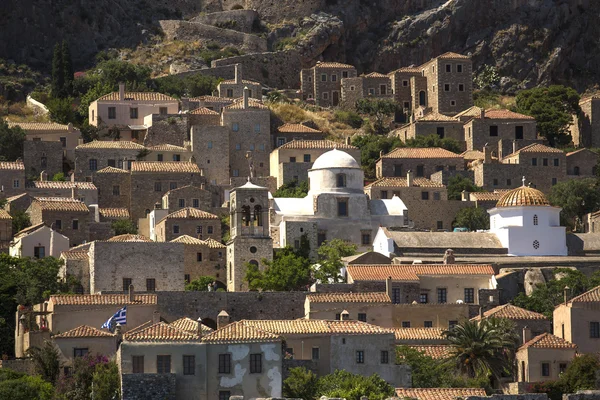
point(250, 240)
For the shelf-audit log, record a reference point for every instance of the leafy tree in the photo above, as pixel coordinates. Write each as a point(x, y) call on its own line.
point(78, 386)
point(89, 132)
point(26, 388)
point(20, 220)
point(225, 228)
point(190, 86)
point(487, 78)
point(457, 184)
point(553, 108)
point(46, 361)
point(580, 374)
point(124, 226)
point(58, 72)
point(380, 109)
point(349, 118)
point(68, 72)
point(292, 189)
point(61, 110)
point(343, 384)
point(288, 271)
point(300, 384)
point(576, 197)
point(58, 177)
point(113, 72)
point(330, 259)
point(473, 218)
point(11, 141)
point(483, 348)
point(434, 140)
point(200, 284)
point(93, 94)
point(106, 382)
point(371, 146)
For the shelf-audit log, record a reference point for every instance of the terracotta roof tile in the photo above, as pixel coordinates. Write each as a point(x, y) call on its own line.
point(61, 185)
point(141, 326)
point(210, 243)
point(166, 147)
point(548, 341)
point(112, 170)
point(121, 213)
point(39, 126)
point(401, 182)
point(418, 333)
point(16, 165)
point(421, 152)
point(509, 311)
point(439, 393)
point(297, 128)
point(244, 81)
point(111, 144)
point(375, 75)
point(317, 326)
point(435, 351)
point(60, 204)
point(332, 65)
point(129, 238)
point(590, 296)
point(190, 213)
point(315, 145)
point(165, 166)
point(240, 332)
point(494, 113)
point(4, 214)
point(212, 99)
point(161, 332)
point(29, 229)
point(536, 148)
point(191, 326)
point(75, 255)
point(408, 272)
point(252, 103)
point(435, 116)
point(15, 197)
point(470, 112)
point(213, 244)
point(203, 111)
point(101, 299)
point(138, 96)
point(83, 331)
point(411, 70)
point(486, 196)
point(450, 54)
point(338, 297)
point(521, 197)
point(572, 153)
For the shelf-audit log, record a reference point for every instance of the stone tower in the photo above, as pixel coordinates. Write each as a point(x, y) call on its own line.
point(250, 240)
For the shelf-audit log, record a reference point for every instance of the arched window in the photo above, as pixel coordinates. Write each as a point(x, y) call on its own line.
point(535, 219)
point(341, 180)
point(258, 215)
point(246, 215)
point(422, 101)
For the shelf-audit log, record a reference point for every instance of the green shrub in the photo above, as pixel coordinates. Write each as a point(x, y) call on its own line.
point(350, 118)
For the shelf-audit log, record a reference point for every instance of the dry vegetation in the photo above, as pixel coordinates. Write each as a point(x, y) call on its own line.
point(19, 112)
point(160, 55)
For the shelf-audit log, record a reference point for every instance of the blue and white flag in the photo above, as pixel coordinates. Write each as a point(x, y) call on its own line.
point(120, 317)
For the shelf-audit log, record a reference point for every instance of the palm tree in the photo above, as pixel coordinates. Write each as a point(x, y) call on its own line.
point(483, 348)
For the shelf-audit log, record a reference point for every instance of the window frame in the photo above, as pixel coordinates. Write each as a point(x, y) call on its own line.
point(360, 357)
point(224, 363)
point(189, 365)
point(256, 363)
point(384, 357)
point(150, 285)
point(163, 363)
point(469, 295)
point(137, 364)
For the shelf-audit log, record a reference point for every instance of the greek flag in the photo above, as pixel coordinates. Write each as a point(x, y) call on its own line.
point(120, 317)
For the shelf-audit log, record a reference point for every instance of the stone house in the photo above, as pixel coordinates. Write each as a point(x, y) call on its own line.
point(188, 221)
point(205, 116)
point(591, 222)
point(494, 124)
point(421, 161)
point(113, 214)
point(96, 155)
point(67, 135)
point(292, 160)
point(431, 123)
point(373, 85)
point(213, 103)
point(20, 202)
point(543, 358)
point(38, 241)
point(523, 319)
point(578, 321)
point(486, 200)
point(67, 216)
point(6, 233)
point(12, 178)
point(288, 132)
point(582, 162)
point(168, 152)
point(234, 88)
point(84, 339)
point(187, 196)
point(322, 83)
point(85, 192)
point(114, 187)
point(43, 157)
point(203, 258)
point(210, 145)
point(585, 129)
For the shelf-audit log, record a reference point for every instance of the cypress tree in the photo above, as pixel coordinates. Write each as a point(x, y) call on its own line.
point(67, 69)
point(58, 74)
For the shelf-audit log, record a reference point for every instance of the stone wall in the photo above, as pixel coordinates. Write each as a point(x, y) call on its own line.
point(210, 146)
point(224, 71)
point(529, 396)
point(443, 177)
point(167, 129)
point(310, 365)
point(238, 20)
point(19, 365)
point(275, 12)
point(41, 156)
point(400, 166)
point(583, 395)
point(148, 386)
point(114, 189)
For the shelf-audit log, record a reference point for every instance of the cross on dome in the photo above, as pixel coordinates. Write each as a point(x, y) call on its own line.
point(523, 180)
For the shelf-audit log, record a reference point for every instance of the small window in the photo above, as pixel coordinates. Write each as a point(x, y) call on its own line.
point(371, 91)
point(172, 185)
point(423, 298)
point(362, 317)
point(554, 181)
point(236, 172)
point(562, 367)
point(116, 190)
point(366, 239)
point(159, 157)
point(256, 363)
point(344, 74)
point(224, 394)
point(199, 230)
point(469, 295)
point(383, 194)
point(406, 324)
point(137, 363)
point(39, 252)
point(126, 284)
point(459, 68)
point(163, 110)
point(133, 113)
point(441, 132)
point(189, 365)
point(238, 146)
point(385, 357)
point(292, 159)
point(493, 130)
point(199, 257)
point(518, 132)
point(112, 113)
point(93, 164)
point(545, 369)
point(341, 180)
point(508, 182)
point(307, 158)
point(436, 196)
point(420, 171)
point(534, 161)
point(556, 162)
point(256, 128)
point(452, 324)
point(544, 162)
point(181, 203)
point(209, 229)
point(229, 93)
point(225, 364)
point(323, 77)
point(80, 352)
point(195, 203)
point(446, 87)
point(186, 278)
point(342, 208)
point(360, 356)
point(535, 219)
point(176, 157)
point(325, 95)
point(333, 78)
point(428, 324)
point(424, 195)
point(75, 224)
point(405, 83)
point(536, 244)
point(176, 229)
point(150, 285)
point(157, 187)
point(440, 225)
point(352, 88)
point(235, 127)
point(448, 67)
point(495, 182)
point(163, 364)
point(461, 87)
point(442, 295)
point(594, 330)
point(315, 353)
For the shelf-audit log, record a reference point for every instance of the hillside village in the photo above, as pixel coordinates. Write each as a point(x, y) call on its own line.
point(211, 249)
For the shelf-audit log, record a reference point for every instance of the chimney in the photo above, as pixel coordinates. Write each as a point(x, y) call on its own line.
point(121, 91)
point(80, 141)
point(345, 316)
point(482, 114)
point(449, 257)
point(464, 195)
point(43, 176)
point(155, 317)
point(74, 192)
point(119, 334)
point(199, 332)
point(480, 313)
point(409, 178)
point(487, 154)
point(222, 319)
point(526, 334)
point(246, 91)
point(566, 294)
point(388, 286)
point(380, 153)
point(238, 74)
point(131, 294)
point(70, 127)
point(514, 146)
point(72, 177)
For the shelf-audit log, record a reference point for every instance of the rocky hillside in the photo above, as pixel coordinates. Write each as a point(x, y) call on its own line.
point(531, 42)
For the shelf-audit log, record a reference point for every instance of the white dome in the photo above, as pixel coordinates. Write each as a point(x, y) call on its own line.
point(335, 159)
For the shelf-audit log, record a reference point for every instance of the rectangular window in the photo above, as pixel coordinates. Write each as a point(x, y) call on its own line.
point(292, 159)
point(556, 162)
point(383, 194)
point(238, 146)
point(116, 190)
point(385, 357)
point(495, 182)
point(199, 229)
point(181, 203)
point(209, 145)
point(594, 330)
point(469, 295)
point(518, 132)
point(112, 112)
point(256, 363)
point(446, 87)
point(229, 93)
point(423, 298)
point(235, 127)
point(189, 365)
point(461, 87)
point(405, 83)
point(176, 229)
point(63, 141)
point(39, 252)
point(424, 195)
point(133, 113)
point(157, 187)
point(137, 363)
point(544, 162)
point(224, 394)
point(163, 110)
point(163, 364)
point(112, 163)
point(362, 317)
point(280, 141)
point(257, 128)
point(224, 363)
point(562, 367)
point(428, 324)
point(186, 278)
point(236, 172)
point(325, 95)
point(209, 229)
point(126, 284)
point(93, 164)
point(333, 78)
point(75, 224)
point(452, 324)
point(159, 157)
point(436, 195)
point(150, 285)
point(307, 158)
point(459, 67)
point(396, 295)
point(80, 352)
point(360, 356)
point(342, 208)
point(534, 161)
point(195, 203)
point(406, 324)
point(545, 369)
point(440, 224)
point(508, 182)
point(493, 130)
point(344, 74)
point(420, 171)
point(406, 105)
point(366, 239)
point(442, 295)
point(199, 257)
point(176, 157)
point(315, 353)
point(323, 77)
point(397, 169)
point(172, 185)
point(448, 67)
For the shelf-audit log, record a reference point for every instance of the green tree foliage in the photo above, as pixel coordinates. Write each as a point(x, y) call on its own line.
point(89, 369)
point(288, 271)
point(343, 384)
point(46, 361)
point(434, 140)
point(11, 141)
point(545, 298)
point(350, 118)
point(61, 110)
point(473, 218)
point(579, 375)
point(300, 384)
point(576, 197)
point(487, 78)
point(553, 108)
point(483, 348)
point(200, 284)
point(106, 381)
point(457, 184)
point(380, 109)
point(112, 72)
point(292, 189)
point(190, 86)
point(20, 220)
point(26, 388)
point(124, 226)
point(58, 72)
point(225, 228)
point(59, 177)
point(68, 72)
point(98, 90)
point(370, 148)
point(330, 259)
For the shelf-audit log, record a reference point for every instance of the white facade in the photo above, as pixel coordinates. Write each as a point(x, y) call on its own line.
point(47, 241)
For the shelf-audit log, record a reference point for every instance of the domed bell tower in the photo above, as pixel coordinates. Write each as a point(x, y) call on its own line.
point(250, 241)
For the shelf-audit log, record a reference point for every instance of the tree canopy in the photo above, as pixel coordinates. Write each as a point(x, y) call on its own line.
point(457, 184)
point(124, 226)
point(11, 141)
point(473, 218)
point(380, 109)
point(288, 271)
point(200, 284)
point(434, 140)
point(292, 189)
point(370, 148)
point(330, 259)
point(576, 197)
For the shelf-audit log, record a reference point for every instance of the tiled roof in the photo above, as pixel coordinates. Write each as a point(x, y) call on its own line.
point(486, 196)
point(29, 229)
point(317, 326)
point(240, 332)
point(203, 111)
point(494, 113)
point(472, 155)
point(61, 204)
point(61, 185)
point(439, 393)
point(161, 332)
point(101, 299)
point(592, 295)
point(213, 244)
point(129, 238)
point(412, 70)
point(509, 311)
point(189, 325)
point(332, 65)
point(401, 182)
point(418, 333)
point(470, 112)
point(39, 126)
point(212, 99)
point(338, 297)
point(548, 341)
point(83, 331)
point(15, 197)
point(375, 75)
point(12, 165)
point(536, 148)
point(315, 145)
point(210, 243)
point(165, 166)
point(121, 213)
point(521, 197)
point(297, 128)
point(572, 153)
point(420, 152)
point(111, 144)
point(112, 170)
point(411, 272)
point(244, 81)
point(435, 351)
point(137, 96)
point(434, 116)
point(450, 54)
point(4, 214)
point(75, 255)
point(140, 327)
point(166, 147)
point(252, 103)
point(190, 213)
